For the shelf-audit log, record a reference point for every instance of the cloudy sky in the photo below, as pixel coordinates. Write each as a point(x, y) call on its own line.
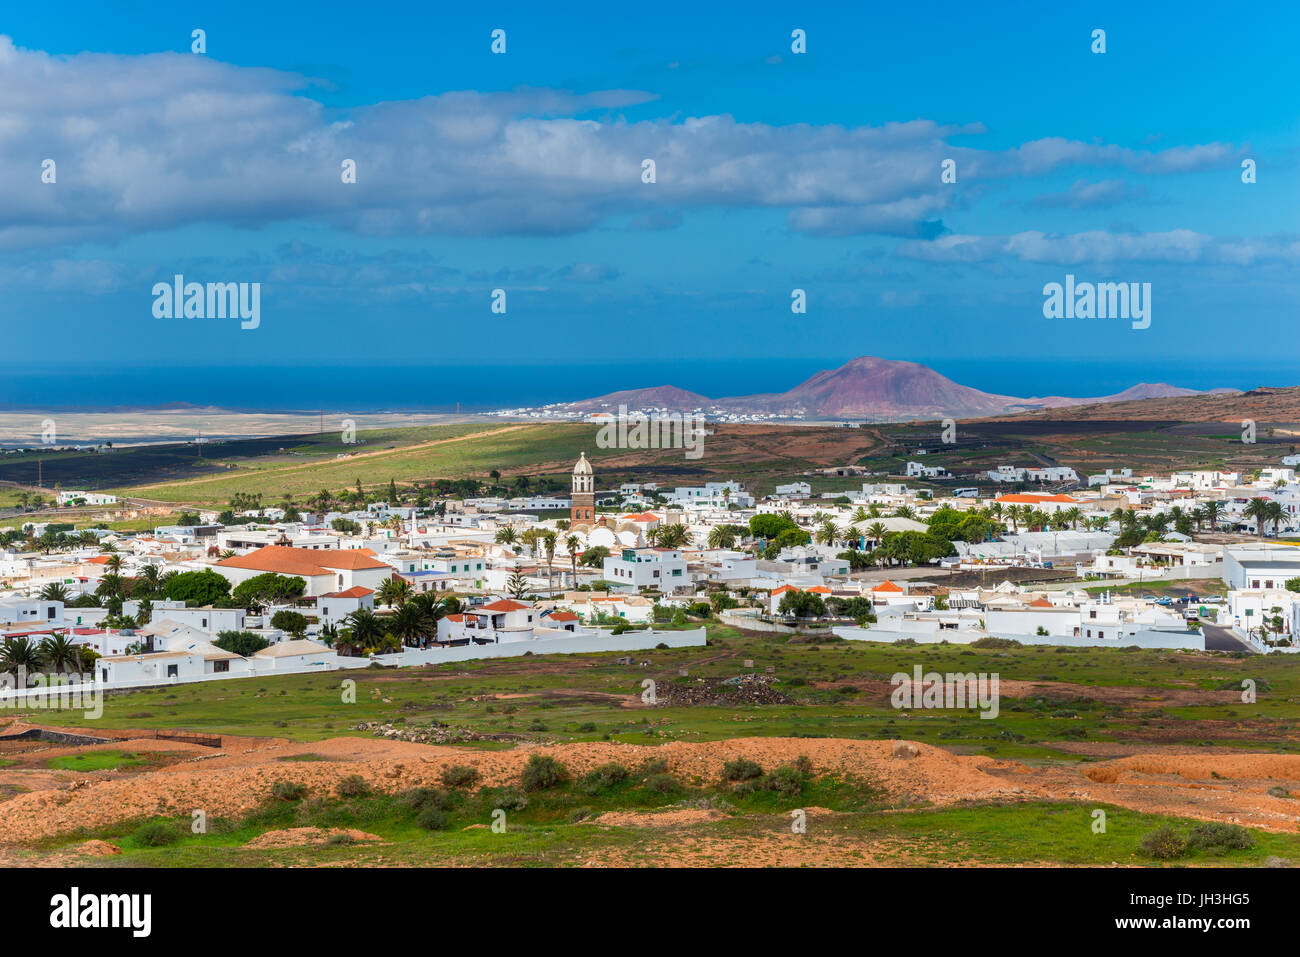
point(775, 170)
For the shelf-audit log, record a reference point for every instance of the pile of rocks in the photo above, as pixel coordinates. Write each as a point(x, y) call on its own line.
point(745, 689)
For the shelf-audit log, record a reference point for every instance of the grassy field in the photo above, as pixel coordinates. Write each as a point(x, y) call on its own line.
point(839, 688)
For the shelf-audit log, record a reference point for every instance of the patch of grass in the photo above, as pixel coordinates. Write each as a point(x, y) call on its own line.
point(95, 761)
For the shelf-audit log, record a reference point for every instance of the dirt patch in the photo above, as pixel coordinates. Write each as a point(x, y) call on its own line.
point(98, 849)
point(670, 818)
point(311, 836)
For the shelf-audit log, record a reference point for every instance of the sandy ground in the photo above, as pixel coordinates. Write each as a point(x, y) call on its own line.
point(1218, 786)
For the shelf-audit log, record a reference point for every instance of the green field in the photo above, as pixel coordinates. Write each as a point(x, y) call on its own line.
point(839, 690)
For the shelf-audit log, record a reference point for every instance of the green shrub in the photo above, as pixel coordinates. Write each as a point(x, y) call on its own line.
point(511, 800)
point(662, 784)
point(433, 818)
point(288, 791)
point(1164, 843)
point(542, 771)
point(157, 834)
point(1211, 835)
point(353, 786)
point(741, 770)
point(603, 777)
point(579, 814)
point(421, 798)
point(460, 776)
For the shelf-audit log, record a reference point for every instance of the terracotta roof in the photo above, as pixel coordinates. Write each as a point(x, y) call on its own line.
point(356, 591)
point(642, 517)
point(308, 562)
point(562, 616)
point(820, 590)
point(783, 589)
point(1041, 603)
point(886, 586)
point(504, 604)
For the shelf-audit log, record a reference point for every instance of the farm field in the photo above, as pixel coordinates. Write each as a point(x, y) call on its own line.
point(1151, 738)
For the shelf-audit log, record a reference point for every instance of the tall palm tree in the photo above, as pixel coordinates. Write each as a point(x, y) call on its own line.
point(1257, 508)
point(571, 543)
point(114, 564)
point(59, 652)
point(548, 545)
point(1276, 513)
point(1213, 509)
point(506, 536)
point(876, 533)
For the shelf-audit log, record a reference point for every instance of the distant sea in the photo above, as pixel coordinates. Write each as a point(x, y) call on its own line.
point(438, 388)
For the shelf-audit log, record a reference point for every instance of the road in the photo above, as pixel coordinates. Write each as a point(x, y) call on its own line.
point(1218, 638)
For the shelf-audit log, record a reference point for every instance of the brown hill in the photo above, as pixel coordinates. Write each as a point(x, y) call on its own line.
point(867, 388)
point(1263, 405)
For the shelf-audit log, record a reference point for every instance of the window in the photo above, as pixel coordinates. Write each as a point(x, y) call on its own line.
point(173, 671)
point(219, 667)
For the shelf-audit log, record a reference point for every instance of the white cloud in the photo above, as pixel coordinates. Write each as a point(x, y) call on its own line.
point(163, 140)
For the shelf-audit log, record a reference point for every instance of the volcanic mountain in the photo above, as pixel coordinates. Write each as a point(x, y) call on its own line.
point(867, 388)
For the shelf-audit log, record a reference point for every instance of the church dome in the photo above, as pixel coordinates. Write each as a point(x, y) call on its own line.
point(583, 467)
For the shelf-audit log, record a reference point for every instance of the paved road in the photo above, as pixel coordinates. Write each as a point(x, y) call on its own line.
point(1218, 638)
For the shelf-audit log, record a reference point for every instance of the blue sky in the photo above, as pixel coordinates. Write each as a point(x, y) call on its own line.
point(776, 171)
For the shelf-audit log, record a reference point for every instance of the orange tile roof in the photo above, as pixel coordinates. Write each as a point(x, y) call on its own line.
point(505, 604)
point(1041, 603)
point(820, 590)
point(783, 589)
point(309, 562)
point(562, 616)
point(642, 517)
point(887, 586)
point(356, 591)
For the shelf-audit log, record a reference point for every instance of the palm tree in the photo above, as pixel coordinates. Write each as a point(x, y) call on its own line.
point(548, 545)
point(59, 652)
point(54, 591)
point(114, 564)
point(876, 532)
point(19, 653)
point(506, 536)
point(904, 511)
point(1013, 513)
point(395, 591)
point(571, 543)
point(150, 579)
point(861, 515)
point(1257, 508)
point(1276, 513)
point(1212, 511)
point(1072, 515)
point(364, 629)
point(411, 623)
